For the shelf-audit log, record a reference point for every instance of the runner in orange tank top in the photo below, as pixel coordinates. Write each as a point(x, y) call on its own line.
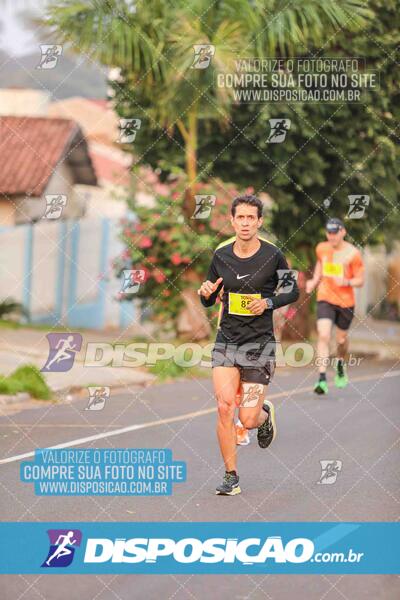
point(338, 270)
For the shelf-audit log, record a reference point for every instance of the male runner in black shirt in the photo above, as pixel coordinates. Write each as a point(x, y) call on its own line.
point(245, 271)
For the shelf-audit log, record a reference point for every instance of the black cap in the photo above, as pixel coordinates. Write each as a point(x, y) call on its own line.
point(334, 225)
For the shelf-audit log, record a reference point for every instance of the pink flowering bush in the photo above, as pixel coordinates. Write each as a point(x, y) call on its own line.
point(172, 249)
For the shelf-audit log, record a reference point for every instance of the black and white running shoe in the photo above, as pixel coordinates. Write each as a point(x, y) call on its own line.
point(267, 431)
point(229, 485)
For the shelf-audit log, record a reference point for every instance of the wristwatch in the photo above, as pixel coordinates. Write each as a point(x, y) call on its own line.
point(269, 303)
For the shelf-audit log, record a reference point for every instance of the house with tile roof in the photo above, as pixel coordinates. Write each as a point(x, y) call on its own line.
point(100, 125)
point(43, 159)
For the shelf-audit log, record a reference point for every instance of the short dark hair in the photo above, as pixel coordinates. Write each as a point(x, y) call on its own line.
point(247, 199)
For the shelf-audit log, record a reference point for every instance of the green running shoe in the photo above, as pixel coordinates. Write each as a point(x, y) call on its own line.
point(321, 387)
point(341, 379)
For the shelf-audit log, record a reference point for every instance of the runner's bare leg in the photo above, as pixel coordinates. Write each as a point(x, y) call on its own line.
point(226, 382)
point(251, 414)
point(324, 328)
point(342, 343)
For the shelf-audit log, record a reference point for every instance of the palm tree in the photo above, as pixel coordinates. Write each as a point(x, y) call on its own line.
point(152, 41)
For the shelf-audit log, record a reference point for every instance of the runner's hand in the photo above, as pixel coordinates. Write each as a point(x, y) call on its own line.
point(257, 306)
point(207, 288)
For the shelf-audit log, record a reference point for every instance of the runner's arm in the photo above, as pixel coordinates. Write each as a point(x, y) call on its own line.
point(357, 271)
point(316, 278)
point(284, 298)
point(212, 276)
point(355, 281)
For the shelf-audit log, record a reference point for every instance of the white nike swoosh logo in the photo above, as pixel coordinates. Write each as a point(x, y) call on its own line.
point(241, 276)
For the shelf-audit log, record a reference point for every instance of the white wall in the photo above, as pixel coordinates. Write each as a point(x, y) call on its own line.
point(25, 103)
point(46, 240)
point(108, 201)
point(89, 258)
point(47, 244)
point(61, 182)
point(12, 245)
point(34, 208)
point(375, 286)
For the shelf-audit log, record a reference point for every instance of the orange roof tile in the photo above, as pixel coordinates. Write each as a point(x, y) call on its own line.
point(32, 147)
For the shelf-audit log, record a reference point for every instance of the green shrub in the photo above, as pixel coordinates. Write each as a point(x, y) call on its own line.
point(172, 250)
point(26, 378)
point(168, 369)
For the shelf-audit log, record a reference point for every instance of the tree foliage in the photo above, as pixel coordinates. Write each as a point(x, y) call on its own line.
point(152, 42)
point(331, 151)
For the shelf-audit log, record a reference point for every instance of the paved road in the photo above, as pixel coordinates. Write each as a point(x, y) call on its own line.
point(358, 426)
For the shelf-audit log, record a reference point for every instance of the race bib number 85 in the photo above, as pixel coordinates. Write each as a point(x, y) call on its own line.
point(238, 303)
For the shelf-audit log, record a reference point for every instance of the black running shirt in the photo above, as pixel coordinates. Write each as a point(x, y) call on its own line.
point(257, 274)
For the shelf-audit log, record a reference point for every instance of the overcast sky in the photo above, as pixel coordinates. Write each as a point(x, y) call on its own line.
point(15, 37)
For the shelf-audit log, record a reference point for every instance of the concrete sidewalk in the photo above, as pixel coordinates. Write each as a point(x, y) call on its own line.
point(375, 337)
point(21, 346)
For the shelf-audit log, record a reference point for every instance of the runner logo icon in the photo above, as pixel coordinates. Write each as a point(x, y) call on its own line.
point(55, 204)
point(329, 471)
point(279, 129)
point(128, 129)
point(286, 279)
point(97, 397)
point(204, 204)
point(357, 205)
point(203, 54)
point(131, 280)
point(50, 53)
point(62, 351)
point(62, 547)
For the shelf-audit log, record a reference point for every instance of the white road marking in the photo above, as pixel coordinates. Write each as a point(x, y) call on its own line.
point(191, 415)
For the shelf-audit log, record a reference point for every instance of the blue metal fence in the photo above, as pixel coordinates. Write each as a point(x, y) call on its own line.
point(68, 308)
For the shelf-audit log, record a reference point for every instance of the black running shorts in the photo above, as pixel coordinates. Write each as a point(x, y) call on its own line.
point(255, 366)
point(341, 317)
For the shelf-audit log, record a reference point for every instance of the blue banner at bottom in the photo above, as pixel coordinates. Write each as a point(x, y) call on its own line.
point(199, 548)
